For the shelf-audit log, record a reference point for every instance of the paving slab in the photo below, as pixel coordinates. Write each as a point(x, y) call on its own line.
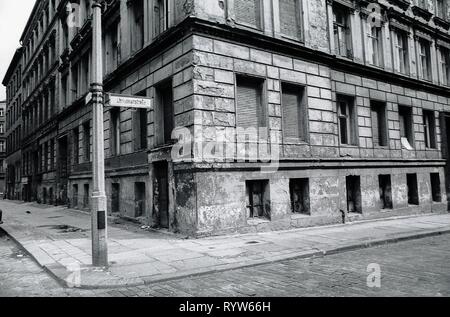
point(139, 257)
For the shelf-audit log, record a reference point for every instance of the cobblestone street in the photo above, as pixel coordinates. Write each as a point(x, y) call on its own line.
point(413, 268)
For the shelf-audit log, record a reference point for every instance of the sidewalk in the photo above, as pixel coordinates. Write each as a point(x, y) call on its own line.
point(59, 240)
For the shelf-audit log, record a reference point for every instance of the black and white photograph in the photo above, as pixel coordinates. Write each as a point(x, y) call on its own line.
point(222, 155)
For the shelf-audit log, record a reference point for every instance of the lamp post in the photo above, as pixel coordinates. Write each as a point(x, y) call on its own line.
point(99, 206)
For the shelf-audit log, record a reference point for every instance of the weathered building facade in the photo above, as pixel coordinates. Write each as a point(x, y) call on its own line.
point(2, 148)
point(350, 99)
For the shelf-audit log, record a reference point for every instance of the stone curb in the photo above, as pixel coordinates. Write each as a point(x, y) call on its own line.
point(55, 270)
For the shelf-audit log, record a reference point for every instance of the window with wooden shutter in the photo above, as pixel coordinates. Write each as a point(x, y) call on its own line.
point(294, 113)
point(114, 130)
point(379, 129)
point(249, 106)
point(290, 18)
point(248, 12)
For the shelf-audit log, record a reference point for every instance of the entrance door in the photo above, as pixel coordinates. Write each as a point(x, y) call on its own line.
point(161, 194)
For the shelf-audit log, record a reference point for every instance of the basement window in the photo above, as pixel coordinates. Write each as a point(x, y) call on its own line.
point(75, 195)
point(139, 189)
point(258, 199)
point(354, 194)
point(86, 196)
point(385, 191)
point(299, 189)
point(436, 187)
point(413, 194)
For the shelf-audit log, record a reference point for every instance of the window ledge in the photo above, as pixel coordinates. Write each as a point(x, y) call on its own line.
point(257, 221)
point(300, 216)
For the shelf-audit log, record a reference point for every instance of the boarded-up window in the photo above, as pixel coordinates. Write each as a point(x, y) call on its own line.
point(379, 129)
point(248, 12)
point(249, 106)
point(290, 18)
point(294, 113)
point(429, 128)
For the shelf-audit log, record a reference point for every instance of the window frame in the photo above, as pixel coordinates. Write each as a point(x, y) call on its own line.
point(347, 27)
point(350, 117)
point(259, 28)
point(302, 113)
point(300, 22)
point(429, 128)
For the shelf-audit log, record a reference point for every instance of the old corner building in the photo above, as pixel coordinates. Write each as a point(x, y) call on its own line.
point(355, 93)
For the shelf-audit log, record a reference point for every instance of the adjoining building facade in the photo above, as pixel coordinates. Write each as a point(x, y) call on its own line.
point(2, 148)
point(350, 98)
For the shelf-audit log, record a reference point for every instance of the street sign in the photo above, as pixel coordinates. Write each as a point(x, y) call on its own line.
point(125, 101)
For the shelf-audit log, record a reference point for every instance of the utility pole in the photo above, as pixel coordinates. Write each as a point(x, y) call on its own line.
point(99, 206)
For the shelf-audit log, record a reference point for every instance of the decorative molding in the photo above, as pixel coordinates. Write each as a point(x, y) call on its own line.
point(441, 23)
point(421, 12)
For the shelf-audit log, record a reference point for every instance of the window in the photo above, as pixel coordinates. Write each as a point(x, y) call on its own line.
point(112, 45)
point(161, 16)
point(258, 199)
point(64, 99)
point(294, 112)
point(346, 112)
point(435, 187)
point(379, 126)
point(52, 155)
point(2, 146)
point(140, 129)
point(374, 46)
point(249, 13)
point(385, 191)
point(429, 128)
point(75, 195)
point(2, 128)
point(164, 114)
point(84, 75)
point(2, 112)
point(445, 65)
point(140, 199)
point(299, 189)
point(413, 195)
point(137, 37)
point(406, 127)
point(74, 82)
point(291, 18)
point(115, 131)
point(400, 44)
point(140, 126)
point(76, 146)
point(86, 196)
point(353, 184)
point(87, 141)
point(441, 9)
point(115, 198)
point(250, 111)
point(424, 59)
point(342, 31)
